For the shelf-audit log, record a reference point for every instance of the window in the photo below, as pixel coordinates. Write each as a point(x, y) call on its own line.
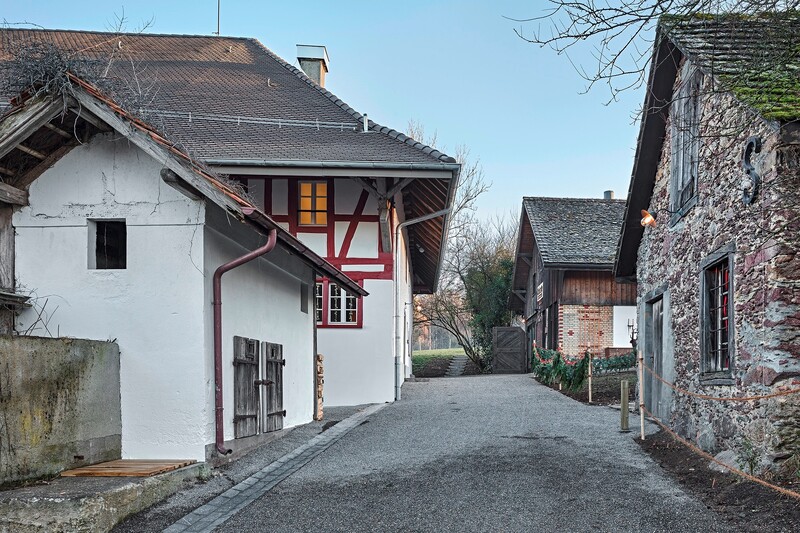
point(107, 244)
point(343, 306)
point(318, 309)
point(313, 203)
point(685, 131)
point(716, 316)
point(335, 307)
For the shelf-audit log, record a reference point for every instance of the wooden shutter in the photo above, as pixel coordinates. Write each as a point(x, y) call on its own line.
point(245, 391)
point(273, 412)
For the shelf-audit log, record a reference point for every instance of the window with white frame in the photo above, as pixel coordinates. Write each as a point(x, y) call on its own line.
point(685, 132)
point(318, 307)
point(343, 306)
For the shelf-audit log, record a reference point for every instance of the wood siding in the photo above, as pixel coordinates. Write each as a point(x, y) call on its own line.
point(596, 288)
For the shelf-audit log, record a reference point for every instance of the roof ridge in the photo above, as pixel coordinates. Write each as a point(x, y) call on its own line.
point(549, 198)
point(389, 132)
point(129, 33)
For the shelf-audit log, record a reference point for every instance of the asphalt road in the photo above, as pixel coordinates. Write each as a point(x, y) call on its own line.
point(484, 453)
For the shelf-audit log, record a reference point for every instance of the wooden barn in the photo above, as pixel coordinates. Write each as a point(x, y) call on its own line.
point(563, 284)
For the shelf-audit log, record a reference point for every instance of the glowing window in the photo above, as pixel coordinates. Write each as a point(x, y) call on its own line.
point(313, 203)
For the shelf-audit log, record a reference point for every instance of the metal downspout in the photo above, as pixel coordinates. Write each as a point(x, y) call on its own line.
point(398, 383)
point(217, 307)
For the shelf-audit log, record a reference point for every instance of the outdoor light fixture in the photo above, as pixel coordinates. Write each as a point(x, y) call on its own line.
point(648, 219)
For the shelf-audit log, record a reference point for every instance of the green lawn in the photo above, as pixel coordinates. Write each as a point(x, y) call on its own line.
point(420, 358)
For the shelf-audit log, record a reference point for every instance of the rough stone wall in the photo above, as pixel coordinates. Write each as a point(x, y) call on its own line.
point(585, 327)
point(59, 405)
point(765, 280)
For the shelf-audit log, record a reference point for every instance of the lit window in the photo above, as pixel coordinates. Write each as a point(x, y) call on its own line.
point(313, 206)
point(343, 306)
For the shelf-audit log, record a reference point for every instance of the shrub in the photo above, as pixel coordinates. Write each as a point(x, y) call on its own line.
point(550, 366)
point(614, 364)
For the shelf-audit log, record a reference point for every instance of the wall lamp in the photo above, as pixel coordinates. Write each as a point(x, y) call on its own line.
point(648, 218)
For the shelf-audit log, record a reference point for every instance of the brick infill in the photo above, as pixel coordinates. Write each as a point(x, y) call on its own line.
point(207, 517)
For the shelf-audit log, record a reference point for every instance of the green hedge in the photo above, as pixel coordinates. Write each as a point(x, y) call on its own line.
point(614, 364)
point(549, 367)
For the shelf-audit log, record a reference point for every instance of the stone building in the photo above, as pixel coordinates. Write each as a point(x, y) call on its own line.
point(563, 284)
point(715, 255)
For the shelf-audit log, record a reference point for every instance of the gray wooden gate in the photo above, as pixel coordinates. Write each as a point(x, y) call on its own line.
point(245, 388)
point(510, 355)
point(273, 411)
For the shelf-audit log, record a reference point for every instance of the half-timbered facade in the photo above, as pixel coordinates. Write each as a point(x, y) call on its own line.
point(563, 284)
point(364, 197)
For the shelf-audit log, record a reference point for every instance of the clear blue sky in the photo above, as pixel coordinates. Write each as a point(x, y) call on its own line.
point(457, 67)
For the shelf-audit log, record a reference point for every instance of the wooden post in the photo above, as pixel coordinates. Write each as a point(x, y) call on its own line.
point(6, 266)
point(590, 377)
point(624, 389)
point(641, 394)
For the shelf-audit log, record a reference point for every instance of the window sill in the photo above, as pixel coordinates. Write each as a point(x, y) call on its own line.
point(717, 378)
point(683, 210)
point(339, 326)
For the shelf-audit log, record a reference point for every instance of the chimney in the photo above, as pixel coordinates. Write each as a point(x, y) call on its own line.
point(608, 195)
point(314, 62)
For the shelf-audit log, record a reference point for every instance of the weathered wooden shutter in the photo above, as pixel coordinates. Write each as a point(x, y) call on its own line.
point(273, 413)
point(245, 391)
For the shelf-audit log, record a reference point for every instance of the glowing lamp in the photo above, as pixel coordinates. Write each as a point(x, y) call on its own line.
point(648, 219)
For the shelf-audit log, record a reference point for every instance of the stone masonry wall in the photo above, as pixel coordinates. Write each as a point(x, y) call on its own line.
point(59, 405)
point(765, 280)
point(584, 327)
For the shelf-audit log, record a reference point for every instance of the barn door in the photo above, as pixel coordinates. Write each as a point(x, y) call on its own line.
point(509, 352)
point(273, 412)
point(245, 391)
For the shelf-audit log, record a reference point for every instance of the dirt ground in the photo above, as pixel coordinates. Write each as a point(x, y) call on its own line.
point(605, 389)
point(747, 505)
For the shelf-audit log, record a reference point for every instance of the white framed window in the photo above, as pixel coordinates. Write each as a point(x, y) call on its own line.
point(342, 306)
point(318, 301)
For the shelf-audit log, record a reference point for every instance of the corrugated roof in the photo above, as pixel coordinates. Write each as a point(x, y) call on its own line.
point(226, 78)
point(755, 57)
point(575, 230)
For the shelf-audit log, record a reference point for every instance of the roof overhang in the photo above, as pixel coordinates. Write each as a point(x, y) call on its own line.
point(663, 70)
point(90, 106)
point(345, 169)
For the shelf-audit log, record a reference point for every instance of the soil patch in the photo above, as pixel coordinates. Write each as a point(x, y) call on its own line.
point(745, 504)
point(434, 368)
point(605, 389)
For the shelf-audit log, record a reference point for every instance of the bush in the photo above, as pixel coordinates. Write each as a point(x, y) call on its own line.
point(550, 367)
point(614, 364)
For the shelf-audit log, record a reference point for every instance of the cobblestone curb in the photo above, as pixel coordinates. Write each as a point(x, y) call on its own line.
point(207, 517)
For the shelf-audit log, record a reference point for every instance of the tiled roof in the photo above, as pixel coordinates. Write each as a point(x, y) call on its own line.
point(232, 98)
point(575, 230)
point(755, 57)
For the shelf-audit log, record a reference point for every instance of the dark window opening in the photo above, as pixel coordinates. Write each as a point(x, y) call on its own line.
point(717, 326)
point(110, 244)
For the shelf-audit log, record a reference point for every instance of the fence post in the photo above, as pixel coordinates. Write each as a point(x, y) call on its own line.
point(624, 391)
point(590, 377)
point(641, 394)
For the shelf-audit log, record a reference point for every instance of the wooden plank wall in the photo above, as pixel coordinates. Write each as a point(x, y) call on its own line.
point(596, 288)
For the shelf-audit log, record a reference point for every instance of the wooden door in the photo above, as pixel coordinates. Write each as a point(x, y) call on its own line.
point(245, 391)
point(273, 412)
point(654, 357)
point(510, 354)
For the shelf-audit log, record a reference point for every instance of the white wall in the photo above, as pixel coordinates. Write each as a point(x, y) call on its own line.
point(359, 363)
point(623, 313)
point(153, 308)
point(260, 301)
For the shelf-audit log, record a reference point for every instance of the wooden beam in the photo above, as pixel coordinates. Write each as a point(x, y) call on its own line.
point(30, 151)
point(384, 226)
point(520, 294)
point(90, 118)
point(58, 130)
point(19, 126)
point(12, 195)
point(399, 186)
point(7, 171)
point(6, 267)
point(368, 186)
point(24, 181)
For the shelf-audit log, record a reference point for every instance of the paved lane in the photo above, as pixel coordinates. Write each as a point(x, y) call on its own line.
point(487, 453)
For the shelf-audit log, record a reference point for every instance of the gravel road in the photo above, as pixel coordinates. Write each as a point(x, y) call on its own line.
point(483, 453)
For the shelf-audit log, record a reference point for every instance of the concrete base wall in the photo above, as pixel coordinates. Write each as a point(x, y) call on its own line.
point(59, 405)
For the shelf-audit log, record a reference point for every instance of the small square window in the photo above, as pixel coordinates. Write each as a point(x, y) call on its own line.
point(108, 245)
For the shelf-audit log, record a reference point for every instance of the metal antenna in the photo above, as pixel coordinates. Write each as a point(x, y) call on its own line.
point(218, 10)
